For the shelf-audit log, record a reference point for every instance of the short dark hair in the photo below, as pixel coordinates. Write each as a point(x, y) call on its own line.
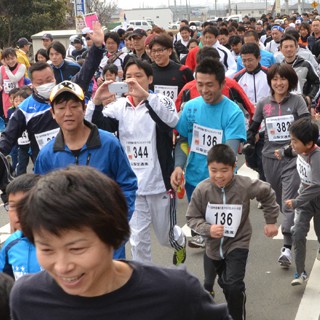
point(250, 48)
point(23, 183)
point(283, 70)
point(305, 130)
point(233, 40)
point(38, 66)
point(221, 153)
point(163, 40)
point(192, 40)
point(66, 96)
point(251, 33)
point(13, 91)
point(224, 32)
point(185, 28)
point(241, 29)
point(42, 52)
point(59, 47)
point(185, 21)
point(112, 68)
point(293, 32)
point(74, 198)
point(7, 52)
point(207, 52)
point(141, 64)
point(211, 30)
point(287, 37)
point(207, 24)
point(212, 66)
point(22, 93)
point(112, 35)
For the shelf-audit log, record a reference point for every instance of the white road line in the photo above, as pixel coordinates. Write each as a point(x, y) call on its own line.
point(309, 308)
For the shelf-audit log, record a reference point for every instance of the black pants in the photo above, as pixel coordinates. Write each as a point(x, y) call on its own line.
point(231, 271)
point(254, 161)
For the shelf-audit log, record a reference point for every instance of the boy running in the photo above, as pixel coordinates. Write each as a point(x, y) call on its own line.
point(219, 210)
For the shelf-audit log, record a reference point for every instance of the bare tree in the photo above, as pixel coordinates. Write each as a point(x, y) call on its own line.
point(104, 9)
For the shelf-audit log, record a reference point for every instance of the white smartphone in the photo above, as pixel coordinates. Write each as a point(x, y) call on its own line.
point(119, 88)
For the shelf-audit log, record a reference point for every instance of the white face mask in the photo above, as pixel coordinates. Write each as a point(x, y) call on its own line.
point(45, 89)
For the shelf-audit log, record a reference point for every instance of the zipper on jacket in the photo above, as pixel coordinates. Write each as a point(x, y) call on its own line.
point(254, 88)
point(222, 239)
point(77, 160)
point(88, 159)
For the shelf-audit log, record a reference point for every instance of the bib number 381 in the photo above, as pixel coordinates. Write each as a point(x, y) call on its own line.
point(228, 215)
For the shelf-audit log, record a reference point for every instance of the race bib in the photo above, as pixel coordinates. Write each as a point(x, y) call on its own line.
point(168, 91)
point(204, 138)
point(228, 215)
point(8, 85)
point(24, 138)
point(44, 137)
point(304, 170)
point(278, 127)
point(139, 153)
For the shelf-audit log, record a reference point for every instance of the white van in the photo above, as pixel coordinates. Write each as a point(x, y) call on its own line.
point(140, 24)
point(236, 17)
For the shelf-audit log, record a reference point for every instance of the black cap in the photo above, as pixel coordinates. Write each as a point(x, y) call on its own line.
point(22, 42)
point(47, 36)
point(138, 33)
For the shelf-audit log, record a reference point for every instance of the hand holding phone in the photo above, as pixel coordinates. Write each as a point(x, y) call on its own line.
point(119, 88)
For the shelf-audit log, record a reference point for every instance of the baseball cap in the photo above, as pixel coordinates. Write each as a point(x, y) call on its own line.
point(22, 42)
point(66, 86)
point(47, 36)
point(298, 21)
point(138, 33)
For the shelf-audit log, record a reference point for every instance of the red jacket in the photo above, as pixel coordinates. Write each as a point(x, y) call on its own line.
point(231, 90)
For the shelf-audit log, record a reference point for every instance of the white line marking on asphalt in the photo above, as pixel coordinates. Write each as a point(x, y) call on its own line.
point(309, 308)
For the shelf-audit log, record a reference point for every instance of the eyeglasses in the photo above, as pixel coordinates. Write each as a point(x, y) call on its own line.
point(6, 206)
point(158, 50)
point(250, 60)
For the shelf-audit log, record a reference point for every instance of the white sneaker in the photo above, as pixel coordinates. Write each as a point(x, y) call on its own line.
point(285, 258)
point(299, 279)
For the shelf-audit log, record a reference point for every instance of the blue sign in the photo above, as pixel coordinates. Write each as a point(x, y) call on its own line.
point(79, 7)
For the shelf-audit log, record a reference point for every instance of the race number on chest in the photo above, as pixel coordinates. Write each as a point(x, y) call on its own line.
point(304, 170)
point(203, 138)
point(228, 215)
point(278, 127)
point(44, 137)
point(139, 153)
point(168, 91)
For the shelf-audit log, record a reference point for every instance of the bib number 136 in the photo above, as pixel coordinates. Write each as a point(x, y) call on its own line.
point(228, 215)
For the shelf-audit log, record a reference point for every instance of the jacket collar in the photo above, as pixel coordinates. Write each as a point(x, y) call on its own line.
point(93, 141)
point(256, 70)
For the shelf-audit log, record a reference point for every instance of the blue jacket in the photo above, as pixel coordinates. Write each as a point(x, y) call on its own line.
point(102, 151)
point(65, 71)
point(18, 256)
point(267, 60)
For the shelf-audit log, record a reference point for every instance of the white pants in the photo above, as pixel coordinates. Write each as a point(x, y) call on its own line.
point(160, 210)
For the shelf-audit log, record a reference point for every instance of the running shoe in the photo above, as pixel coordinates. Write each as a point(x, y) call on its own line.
point(197, 242)
point(299, 279)
point(285, 257)
point(180, 255)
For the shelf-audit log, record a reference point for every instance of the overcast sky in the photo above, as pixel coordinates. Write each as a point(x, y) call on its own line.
point(129, 4)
